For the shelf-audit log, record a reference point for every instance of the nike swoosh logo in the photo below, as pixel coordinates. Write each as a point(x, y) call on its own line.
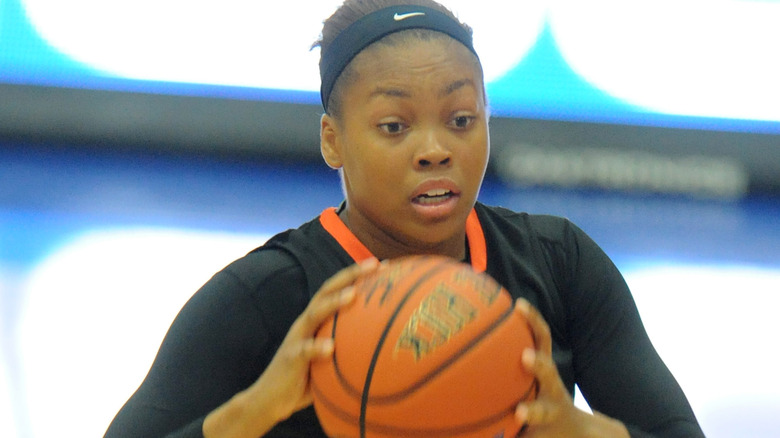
point(401, 17)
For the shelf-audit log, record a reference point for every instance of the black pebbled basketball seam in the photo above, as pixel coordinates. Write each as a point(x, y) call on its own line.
point(381, 341)
point(345, 384)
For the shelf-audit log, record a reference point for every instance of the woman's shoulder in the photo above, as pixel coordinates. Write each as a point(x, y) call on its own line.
point(304, 257)
point(261, 265)
point(547, 227)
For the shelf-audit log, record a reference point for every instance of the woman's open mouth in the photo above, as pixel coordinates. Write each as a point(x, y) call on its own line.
point(434, 199)
point(434, 196)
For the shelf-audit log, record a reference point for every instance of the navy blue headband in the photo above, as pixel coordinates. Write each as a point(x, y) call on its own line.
point(375, 26)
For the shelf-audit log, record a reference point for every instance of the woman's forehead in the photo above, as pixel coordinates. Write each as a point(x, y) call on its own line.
point(429, 70)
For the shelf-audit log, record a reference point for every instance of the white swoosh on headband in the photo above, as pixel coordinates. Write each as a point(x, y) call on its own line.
point(401, 17)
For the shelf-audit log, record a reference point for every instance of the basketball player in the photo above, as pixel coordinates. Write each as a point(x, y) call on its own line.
point(406, 124)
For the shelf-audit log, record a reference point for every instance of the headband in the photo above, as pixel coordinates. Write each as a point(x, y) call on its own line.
point(373, 27)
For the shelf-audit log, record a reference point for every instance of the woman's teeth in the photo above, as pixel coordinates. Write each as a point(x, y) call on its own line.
point(434, 196)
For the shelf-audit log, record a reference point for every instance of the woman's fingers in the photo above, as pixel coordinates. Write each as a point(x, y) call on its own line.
point(313, 348)
point(551, 398)
point(537, 413)
point(318, 311)
point(335, 293)
point(285, 380)
point(543, 368)
point(347, 276)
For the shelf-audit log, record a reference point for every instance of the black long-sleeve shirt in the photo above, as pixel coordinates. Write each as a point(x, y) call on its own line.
point(227, 333)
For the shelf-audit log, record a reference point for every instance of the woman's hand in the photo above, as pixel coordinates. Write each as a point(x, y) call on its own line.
point(283, 388)
point(552, 413)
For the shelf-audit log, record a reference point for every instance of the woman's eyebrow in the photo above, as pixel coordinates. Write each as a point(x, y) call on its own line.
point(398, 92)
point(389, 92)
point(454, 86)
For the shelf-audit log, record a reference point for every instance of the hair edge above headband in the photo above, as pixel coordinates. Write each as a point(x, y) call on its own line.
point(375, 26)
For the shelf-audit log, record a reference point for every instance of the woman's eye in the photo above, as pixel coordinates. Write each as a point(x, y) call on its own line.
point(392, 127)
point(462, 121)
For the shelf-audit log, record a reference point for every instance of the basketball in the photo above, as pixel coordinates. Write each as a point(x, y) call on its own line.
point(429, 348)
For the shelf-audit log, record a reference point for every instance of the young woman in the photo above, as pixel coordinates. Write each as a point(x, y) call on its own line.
point(406, 124)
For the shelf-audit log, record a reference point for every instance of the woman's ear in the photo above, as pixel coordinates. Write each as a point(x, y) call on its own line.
point(329, 142)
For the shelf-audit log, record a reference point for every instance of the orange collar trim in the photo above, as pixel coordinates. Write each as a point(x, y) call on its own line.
point(333, 224)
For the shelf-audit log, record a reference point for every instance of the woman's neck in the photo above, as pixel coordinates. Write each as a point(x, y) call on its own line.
point(385, 246)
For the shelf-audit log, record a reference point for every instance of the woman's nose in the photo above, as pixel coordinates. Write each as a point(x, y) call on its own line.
point(432, 153)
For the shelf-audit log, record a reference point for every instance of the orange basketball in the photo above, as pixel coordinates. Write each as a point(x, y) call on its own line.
point(429, 348)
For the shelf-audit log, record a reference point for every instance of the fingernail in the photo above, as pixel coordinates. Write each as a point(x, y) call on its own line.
point(523, 305)
point(327, 346)
point(369, 263)
point(347, 294)
point(529, 357)
point(521, 414)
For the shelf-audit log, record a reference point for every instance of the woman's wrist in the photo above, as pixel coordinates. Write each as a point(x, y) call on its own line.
point(604, 426)
point(244, 415)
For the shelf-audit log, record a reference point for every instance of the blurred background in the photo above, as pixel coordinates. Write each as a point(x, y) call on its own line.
point(145, 145)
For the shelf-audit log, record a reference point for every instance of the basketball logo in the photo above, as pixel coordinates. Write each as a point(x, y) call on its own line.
point(441, 315)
